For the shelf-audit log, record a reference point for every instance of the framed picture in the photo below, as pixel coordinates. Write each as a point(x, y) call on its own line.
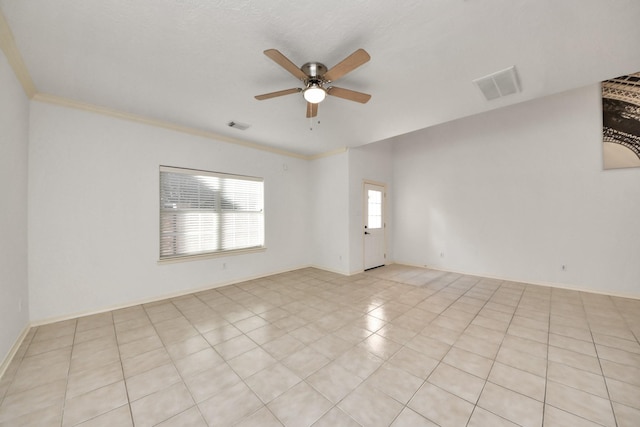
point(621, 122)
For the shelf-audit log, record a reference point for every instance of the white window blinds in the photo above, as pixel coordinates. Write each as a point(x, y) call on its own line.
point(207, 212)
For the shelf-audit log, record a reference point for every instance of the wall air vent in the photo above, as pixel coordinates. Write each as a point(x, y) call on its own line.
point(499, 84)
point(238, 125)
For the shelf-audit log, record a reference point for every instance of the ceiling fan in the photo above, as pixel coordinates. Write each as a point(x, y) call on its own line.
point(317, 79)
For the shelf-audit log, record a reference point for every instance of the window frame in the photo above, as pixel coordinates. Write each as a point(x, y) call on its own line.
point(212, 253)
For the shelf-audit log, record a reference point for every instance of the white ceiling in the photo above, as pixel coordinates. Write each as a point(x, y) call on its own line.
point(199, 63)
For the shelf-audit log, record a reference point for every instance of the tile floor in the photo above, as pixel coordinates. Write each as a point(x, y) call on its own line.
point(396, 346)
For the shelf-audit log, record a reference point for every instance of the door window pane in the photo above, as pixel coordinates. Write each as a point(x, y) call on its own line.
point(374, 209)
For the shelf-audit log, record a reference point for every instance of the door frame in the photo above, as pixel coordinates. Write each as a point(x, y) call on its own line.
point(364, 216)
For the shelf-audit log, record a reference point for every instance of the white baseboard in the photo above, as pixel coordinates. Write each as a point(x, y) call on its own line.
point(13, 350)
point(529, 282)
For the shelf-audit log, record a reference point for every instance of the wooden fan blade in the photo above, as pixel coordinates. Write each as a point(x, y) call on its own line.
point(351, 95)
point(347, 65)
point(278, 93)
point(312, 110)
point(285, 63)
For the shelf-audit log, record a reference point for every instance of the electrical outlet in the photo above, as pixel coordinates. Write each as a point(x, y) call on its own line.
point(441, 254)
point(564, 268)
point(224, 265)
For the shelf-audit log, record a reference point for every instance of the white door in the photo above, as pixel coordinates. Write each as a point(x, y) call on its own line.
point(374, 226)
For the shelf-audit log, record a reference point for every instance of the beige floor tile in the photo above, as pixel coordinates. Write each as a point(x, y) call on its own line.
point(370, 408)
point(251, 362)
point(577, 378)
point(621, 372)
point(440, 406)
point(234, 347)
point(513, 406)
point(93, 359)
point(574, 359)
point(625, 393)
point(316, 324)
point(44, 346)
point(360, 362)
point(379, 346)
point(413, 362)
point(306, 361)
point(409, 418)
point(199, 361)
point(120, 417)
point(483, 418)
point(618, 356)
point(50, 416)
point(336, 417)
point(580, 403)
point(29, 377)
point(261, 418)
point(518, 380)
point(554, 417)
point(221, 334)
point(331, 346)
point(265, 334)
point(532, 347)
point(300, 406)
point(523, 361)
point(210, 382)
point(477, 345)
point(143, 345)
point(568, 343)
point(18, 404)
point(271, 382)
point(615, 342)
point(528, 333)
point(131, 335)
point(94, 403)
point(447, 336)
point(307, 334)
point(250, 323)
point(145, 361)
point(626, 416)
point(469, 362)
point(95, 333)
point(428, 346)
point(191, 418)
point(283, 346)
point(161, 405)
point(334, 381)
point(457, 382)
point(187, 347)
point(92, 379)
point(151, 381)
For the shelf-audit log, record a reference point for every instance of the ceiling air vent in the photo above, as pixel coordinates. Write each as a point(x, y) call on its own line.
point(499, 84)
point(238, 125)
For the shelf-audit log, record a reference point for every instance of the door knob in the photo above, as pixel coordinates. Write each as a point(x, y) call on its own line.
point(366, 232)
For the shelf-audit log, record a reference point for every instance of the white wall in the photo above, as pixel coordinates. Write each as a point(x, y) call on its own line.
point(14, 137)
point(517, 193)
point(93, 194)
point(371, 162)
point(329, 201)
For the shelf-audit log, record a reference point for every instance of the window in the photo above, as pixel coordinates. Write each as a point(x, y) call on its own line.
point(208, 212)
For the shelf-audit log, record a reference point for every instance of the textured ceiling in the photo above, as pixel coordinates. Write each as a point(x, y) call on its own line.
point(198, 63)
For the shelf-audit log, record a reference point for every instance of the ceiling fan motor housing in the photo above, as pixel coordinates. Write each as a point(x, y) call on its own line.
point(314, 70)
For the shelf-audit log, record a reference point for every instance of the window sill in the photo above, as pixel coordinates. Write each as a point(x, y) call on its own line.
point(210, 255)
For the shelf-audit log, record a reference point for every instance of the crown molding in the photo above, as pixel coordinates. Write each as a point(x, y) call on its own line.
point(8, 46)
point(14, 58)
point(70, 103)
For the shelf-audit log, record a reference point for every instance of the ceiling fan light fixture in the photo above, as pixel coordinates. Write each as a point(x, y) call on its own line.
point(314, 93)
